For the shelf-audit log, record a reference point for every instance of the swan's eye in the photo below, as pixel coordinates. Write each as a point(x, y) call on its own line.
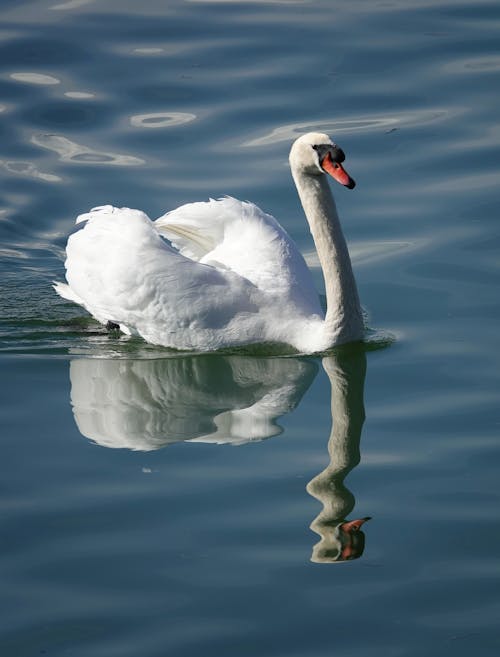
point(322, 150)
point(336, 153)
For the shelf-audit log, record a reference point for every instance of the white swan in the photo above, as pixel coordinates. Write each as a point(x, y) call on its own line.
point(230, 275)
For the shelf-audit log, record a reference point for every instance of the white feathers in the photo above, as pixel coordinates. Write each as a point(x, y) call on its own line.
point(238, 236)
point(222, 287)
point(228, 275)
point(67, 293)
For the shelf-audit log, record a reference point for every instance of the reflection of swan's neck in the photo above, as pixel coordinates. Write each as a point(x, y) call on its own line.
point(347, 377)
point(343, 321)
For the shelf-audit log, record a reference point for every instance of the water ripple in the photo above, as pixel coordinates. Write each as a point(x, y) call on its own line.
point(368, 253)
point(161, 119)
point(148, 51)
point(29, 170)
point(70, 151)
point(476, 64)
point(72, 4)
point(369, 123)
point(263, 2)
point(35, 78)
point(79, 95)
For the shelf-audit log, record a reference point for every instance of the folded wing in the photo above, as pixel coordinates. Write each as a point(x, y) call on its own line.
point(240, 237)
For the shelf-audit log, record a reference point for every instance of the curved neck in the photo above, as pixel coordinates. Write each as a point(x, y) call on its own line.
point(343, 321)
point(347, 380)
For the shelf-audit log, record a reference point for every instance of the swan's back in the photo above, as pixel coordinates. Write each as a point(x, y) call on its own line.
point(235, 277)
point(239, 236)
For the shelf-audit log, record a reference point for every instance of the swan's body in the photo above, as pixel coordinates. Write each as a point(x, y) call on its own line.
point(230, 275)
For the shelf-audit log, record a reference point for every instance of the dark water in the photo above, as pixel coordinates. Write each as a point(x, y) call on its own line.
point(131, 523)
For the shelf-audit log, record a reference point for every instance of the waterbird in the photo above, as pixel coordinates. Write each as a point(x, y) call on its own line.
point(221, 273)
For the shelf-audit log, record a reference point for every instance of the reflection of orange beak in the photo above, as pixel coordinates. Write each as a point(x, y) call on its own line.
point(350, 549)
point(353, 525)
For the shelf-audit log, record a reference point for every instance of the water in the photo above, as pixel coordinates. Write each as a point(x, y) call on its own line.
point(127, 528)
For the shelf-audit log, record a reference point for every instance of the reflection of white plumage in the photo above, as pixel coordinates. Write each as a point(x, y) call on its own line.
point(230, 274)
point(147, 404)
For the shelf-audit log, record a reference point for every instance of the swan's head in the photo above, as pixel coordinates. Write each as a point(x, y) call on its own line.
point(315, 154)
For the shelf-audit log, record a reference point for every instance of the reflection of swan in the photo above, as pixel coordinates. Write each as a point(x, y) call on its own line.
point(146, 404)
point(231, 274)
point(341, 540)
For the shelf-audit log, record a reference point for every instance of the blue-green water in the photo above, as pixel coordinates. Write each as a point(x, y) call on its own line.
point(142, 510)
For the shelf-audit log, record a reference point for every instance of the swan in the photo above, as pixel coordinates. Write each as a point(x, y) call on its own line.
point(222, 273)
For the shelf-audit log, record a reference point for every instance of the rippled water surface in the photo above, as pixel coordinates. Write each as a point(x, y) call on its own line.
point(164, 504)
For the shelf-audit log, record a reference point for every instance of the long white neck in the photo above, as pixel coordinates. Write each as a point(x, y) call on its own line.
point(343, 322)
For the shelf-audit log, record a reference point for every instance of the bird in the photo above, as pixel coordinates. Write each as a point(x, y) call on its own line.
point(221, 274)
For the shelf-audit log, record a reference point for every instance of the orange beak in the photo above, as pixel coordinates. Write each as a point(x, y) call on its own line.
point(337, 171)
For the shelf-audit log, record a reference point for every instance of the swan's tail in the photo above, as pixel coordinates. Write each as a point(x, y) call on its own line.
point(99, 211)
point(67, 293)
point(64, 290)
